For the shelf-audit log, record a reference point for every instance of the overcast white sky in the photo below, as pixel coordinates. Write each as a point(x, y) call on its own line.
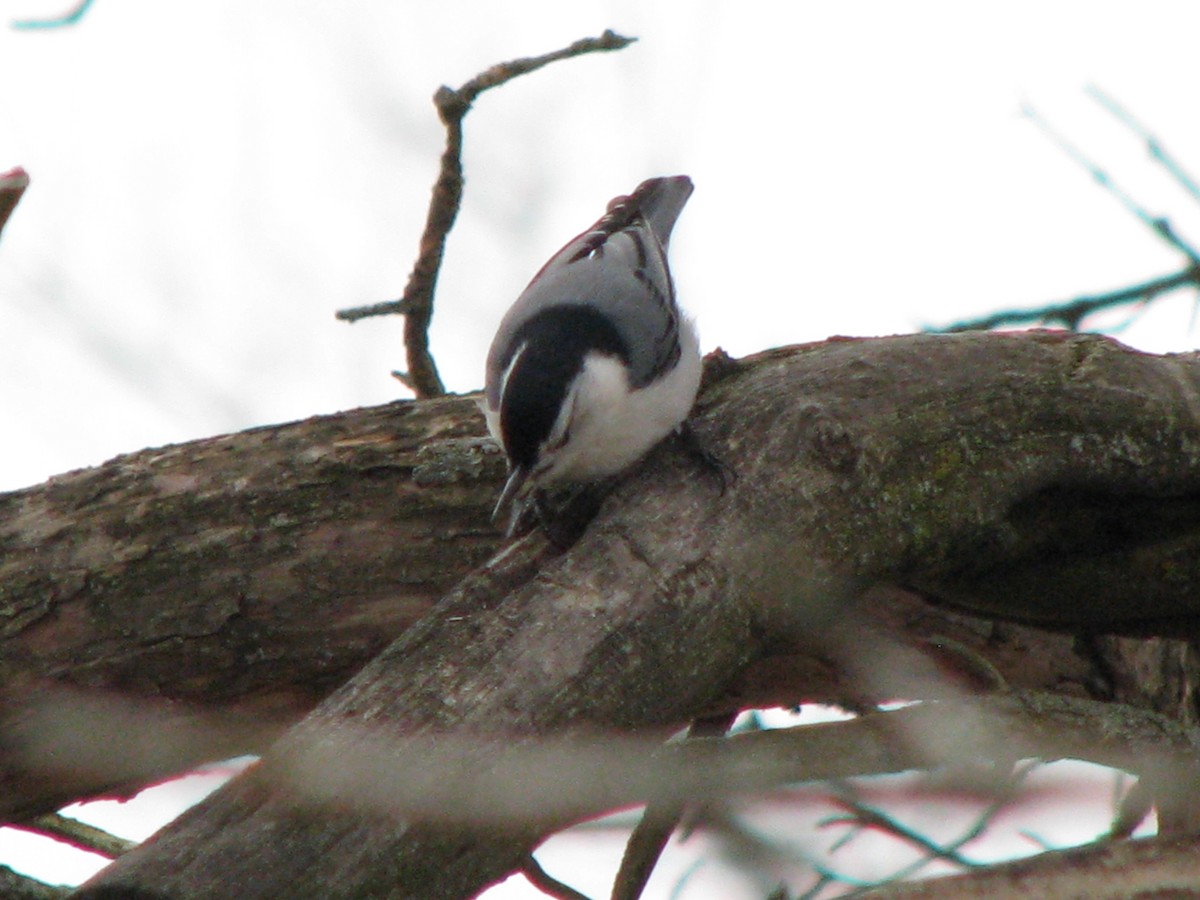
point(212, 180)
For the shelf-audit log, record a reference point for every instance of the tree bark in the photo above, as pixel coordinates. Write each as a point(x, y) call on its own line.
point(1042, 477)
point(225, 586)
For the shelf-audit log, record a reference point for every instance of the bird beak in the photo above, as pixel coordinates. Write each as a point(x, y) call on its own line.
point(516, 481)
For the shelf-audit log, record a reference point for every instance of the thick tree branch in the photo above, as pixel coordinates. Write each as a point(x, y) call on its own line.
point(20, 887)
point(222, 587)
point(228, 584)
point(1037, 477)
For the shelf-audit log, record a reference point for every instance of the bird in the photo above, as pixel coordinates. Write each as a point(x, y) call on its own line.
point(594, 363)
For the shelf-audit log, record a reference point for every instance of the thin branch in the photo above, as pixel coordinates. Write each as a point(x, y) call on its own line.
point(1155, 148)
point(547, 883)
point(404, 379)
point(386, 308)
point(1070, 313)
point(1150, 867)
point(1132, 810)
point(584, 776)
point(68, 18)
point(15, 886)
point(1160, 226)
point(79, 834)
point(12, 185)
point(866, 816)
point(753, 850)
point(650, 837)
point(417, 301)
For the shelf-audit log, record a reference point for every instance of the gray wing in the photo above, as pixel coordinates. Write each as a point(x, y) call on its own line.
point(619, 266)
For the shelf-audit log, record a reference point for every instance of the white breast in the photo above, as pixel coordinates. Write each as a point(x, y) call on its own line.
point(612, 427)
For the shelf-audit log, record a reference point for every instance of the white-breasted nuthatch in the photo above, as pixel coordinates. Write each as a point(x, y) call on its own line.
point(594, 364)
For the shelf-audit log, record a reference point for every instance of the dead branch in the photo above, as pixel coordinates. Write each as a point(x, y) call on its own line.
point(1154, 147)
point(547, 884)
point(659, 820)
point(1070, 313)
point(1158, 225)
point(227, 584)
point(70, 17)
point(416, 304)
point(1113, 870)
point(79, 834)
point(12, 185)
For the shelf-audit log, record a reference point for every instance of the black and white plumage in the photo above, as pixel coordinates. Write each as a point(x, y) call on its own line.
point(594, 364)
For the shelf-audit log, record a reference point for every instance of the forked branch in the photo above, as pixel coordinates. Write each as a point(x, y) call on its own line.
point(416, 304)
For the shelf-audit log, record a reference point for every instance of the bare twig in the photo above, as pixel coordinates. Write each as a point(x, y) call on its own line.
point(1160, 226)
point(386, 308)
point(547, 883)
point(872, 817)
point(68, 18)
point(1150, 867)
point(417, 302)
point(864, 816)
point(12, 186)
point(404, 379)
point(1070, 313)
point(753, 850)
point(650, 837)
point(1155, 148)
point(79, 834)
point(1132, 810)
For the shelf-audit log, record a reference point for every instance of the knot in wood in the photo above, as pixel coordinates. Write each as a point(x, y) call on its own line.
point(833, 445)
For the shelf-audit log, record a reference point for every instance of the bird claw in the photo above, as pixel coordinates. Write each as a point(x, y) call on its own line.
point(563, 516)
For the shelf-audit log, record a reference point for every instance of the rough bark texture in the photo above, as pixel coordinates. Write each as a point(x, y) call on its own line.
point(232, 582)
point(1041, 478)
